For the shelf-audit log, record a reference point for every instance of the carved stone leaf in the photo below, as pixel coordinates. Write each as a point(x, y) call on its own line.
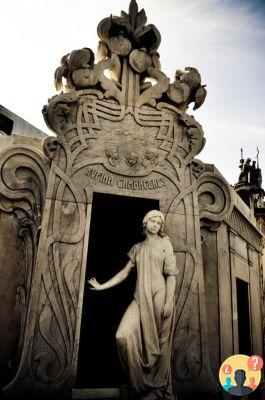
point(200, 96)
point(141, 19)
point(192, 78)
point(133, 11)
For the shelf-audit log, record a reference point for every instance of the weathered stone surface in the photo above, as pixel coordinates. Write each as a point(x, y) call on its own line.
point(120, 136)
point(12, 277)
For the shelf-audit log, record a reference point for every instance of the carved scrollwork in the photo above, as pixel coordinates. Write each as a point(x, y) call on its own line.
point(207, 227)
point(23, 182)
point(187, 360)
point(49, 146)
point(214, 197)
point(110, 87)
point(150, 95)
point(23, 178)
point(197, 167)
point(189, 141)
point(56, 112)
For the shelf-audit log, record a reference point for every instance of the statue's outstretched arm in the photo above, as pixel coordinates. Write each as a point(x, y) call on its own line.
point(114, 281)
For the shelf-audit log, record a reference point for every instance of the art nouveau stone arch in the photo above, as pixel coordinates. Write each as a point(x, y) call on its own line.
point(121, 136)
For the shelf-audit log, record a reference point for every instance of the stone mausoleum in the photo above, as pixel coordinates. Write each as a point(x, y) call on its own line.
point(71, 206)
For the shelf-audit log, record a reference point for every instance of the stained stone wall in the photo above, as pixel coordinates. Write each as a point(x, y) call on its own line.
point(12, 262)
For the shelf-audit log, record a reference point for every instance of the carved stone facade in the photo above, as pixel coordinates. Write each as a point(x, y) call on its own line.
point(118, 135)
point(232, 260)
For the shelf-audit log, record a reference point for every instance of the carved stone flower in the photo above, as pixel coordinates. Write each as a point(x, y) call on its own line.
point(115, 32)
point(127, 32)
point(78, 69)
point(147, 37)
point(187, 88)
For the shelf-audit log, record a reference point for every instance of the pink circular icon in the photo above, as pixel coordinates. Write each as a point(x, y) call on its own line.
point(226, 369)
point(255, 363)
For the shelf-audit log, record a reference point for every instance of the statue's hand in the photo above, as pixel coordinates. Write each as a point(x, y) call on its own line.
point(95, 285)
point(167, 310)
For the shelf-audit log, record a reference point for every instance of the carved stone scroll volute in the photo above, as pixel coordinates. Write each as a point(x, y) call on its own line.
point(215, 201)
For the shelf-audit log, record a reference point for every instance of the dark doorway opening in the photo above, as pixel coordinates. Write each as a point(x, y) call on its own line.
point(244, 336)
point(116, 225)
point(6, 124)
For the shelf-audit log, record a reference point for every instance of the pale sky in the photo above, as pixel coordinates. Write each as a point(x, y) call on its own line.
point(224, 39)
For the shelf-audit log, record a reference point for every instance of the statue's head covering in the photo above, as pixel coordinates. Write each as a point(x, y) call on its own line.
point(152, 214)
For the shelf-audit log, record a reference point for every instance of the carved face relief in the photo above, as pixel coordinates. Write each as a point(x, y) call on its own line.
point(132, 159)
point(150, 158)
point(112, 152)
point(127, 147)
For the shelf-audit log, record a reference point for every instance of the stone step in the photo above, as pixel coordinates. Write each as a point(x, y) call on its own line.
point(99, 393)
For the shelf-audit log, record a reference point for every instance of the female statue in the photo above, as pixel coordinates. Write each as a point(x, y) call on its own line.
point(144, 336)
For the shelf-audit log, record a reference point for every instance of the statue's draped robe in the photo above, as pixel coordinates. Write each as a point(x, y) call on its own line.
point(144, 339)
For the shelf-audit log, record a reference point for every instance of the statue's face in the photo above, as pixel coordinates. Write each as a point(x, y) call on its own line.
point(153, 225)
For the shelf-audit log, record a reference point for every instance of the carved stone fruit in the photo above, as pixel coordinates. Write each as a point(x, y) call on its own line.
point(84, 77)
point(120, 45)
point(178, 92)
point(140, 60)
